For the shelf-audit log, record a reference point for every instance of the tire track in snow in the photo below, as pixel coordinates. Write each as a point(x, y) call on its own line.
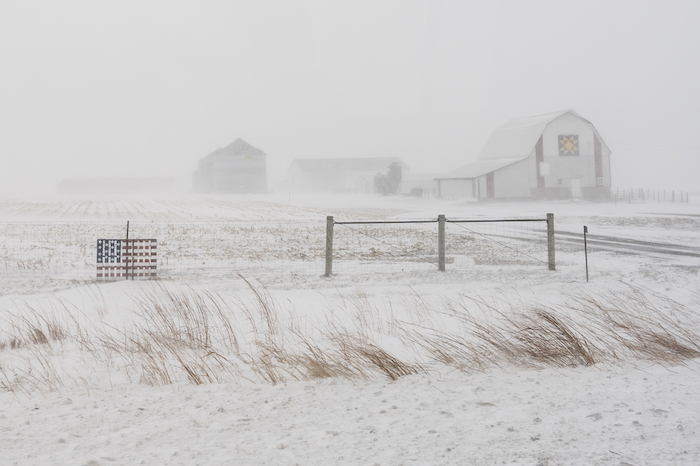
point(626, 245)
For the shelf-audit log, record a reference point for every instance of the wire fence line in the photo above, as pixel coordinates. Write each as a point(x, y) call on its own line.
point(521, 242)
point(405, 245)
point(67, 250)
point(630, 195)
point(384, 247)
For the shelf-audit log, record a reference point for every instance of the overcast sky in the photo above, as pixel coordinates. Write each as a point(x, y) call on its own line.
point(120, 88)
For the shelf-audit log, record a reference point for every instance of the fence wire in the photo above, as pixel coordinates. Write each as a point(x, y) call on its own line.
point(36, 252)
point(384, 247)
point(521, 242)
point(408, 246)
point(46, 255)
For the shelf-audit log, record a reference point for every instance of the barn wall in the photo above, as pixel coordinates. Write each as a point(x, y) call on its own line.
point(234, 162)
point(565, 168)
point(352, 184)
point(364, 185)
point(480, 187)
point(457, 188)
point(607, 177)
point(323, 182)
point(238, 174)
point(246, 180)
point(513, 180)
point(532, 170)
point(313, 181)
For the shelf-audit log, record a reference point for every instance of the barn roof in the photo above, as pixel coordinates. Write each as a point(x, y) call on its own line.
point(517, 137)
point(478, 168)
point(237, 147)
point(360, 164)
point(510, 143)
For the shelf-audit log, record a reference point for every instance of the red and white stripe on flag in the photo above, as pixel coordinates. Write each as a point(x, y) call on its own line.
point(121, 259)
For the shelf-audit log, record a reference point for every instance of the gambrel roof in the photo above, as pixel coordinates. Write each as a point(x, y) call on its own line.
point(510, 143)
point(517, 138)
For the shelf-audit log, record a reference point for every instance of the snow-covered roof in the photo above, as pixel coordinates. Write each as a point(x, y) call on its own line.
point(478, 168)
point(237, 147)
point(517, 138)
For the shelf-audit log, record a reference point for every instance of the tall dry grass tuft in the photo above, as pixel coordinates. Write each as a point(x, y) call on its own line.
point(551, 339)
point(634, 324)
point(643, 325)
point(314, 362)
point(202, 337)
point(178, 333)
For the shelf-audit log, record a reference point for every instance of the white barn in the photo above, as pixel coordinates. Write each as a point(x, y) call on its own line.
point(554, 156)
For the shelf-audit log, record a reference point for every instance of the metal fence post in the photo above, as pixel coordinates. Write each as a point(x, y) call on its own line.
point(550, 241)
point(441, 243)
point(585, 248)
point(329, 246)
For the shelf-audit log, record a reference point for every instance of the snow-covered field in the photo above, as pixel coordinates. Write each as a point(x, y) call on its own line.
point(490, 362)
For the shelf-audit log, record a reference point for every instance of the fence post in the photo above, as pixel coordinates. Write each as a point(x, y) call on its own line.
point(550, 241)
point(126, 257)
point(329, 246)
point(585, 248)
point(441, 243)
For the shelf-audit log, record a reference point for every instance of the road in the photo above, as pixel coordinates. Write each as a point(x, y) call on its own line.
point(626, 245)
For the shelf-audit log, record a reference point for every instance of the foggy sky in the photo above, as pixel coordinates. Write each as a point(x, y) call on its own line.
point(149, 87)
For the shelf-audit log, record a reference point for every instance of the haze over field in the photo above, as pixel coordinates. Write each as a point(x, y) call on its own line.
point(116, 89)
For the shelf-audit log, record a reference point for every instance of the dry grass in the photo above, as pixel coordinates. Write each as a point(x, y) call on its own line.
point(201, 337)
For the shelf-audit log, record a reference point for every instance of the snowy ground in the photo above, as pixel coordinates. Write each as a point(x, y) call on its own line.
point(86, 396)
point(627, 415)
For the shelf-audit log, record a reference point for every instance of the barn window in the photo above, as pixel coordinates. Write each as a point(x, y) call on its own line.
point(568, 144)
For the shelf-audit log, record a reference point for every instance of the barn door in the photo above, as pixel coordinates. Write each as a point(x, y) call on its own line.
point(489, 186)
point(576, 188)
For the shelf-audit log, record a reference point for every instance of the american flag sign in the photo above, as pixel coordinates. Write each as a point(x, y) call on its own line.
point(126, 259)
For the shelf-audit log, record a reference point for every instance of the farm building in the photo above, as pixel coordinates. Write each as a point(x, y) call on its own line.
point(348, 175)
point(553, 156)
point(236, 168)
point(419, 185)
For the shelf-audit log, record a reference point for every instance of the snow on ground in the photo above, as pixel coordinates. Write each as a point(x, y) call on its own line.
point(63, 403)
point(623, 416)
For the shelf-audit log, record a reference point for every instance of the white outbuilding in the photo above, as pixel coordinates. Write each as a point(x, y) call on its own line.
point(236, 168)
point(355, 175)
point(553, 156)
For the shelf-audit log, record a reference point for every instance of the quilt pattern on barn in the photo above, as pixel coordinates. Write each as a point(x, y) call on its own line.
point(568, 144)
